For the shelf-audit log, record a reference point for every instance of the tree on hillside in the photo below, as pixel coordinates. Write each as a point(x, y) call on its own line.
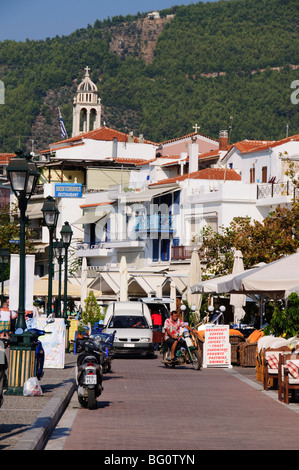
point(266, 241)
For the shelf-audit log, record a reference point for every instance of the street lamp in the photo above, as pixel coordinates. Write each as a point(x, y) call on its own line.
point(4, 258)
point(22, 175)
point(59, 251)
point(66, 236)
point(51, 213)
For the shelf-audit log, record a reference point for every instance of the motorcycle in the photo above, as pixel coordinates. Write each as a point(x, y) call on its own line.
point(90, 372)
point(106, 342)
point(3, 366)
point(190, 353)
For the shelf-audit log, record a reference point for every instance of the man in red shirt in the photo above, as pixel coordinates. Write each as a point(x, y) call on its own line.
point(172, 328)
point(157, 325)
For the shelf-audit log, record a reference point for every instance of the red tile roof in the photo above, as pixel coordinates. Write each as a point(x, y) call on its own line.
point(102, 133)
point(5, 157)
point(206, 174)
point(186, 137)
point(275, 143)
point(251, 145)
point(135, 161)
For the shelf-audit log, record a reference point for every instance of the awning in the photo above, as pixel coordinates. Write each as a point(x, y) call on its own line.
point(34, 211)
point(148, 195)
point(90, 217)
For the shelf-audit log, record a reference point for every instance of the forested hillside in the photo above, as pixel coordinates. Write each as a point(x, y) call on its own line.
point(208, 62)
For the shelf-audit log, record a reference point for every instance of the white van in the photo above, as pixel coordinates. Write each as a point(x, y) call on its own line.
point(133, 325)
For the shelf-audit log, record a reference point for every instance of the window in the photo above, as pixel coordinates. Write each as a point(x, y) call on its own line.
point(264, 174)
point(252, 175)
point(128, 321)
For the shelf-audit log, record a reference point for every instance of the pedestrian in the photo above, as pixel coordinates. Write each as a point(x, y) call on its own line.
point(4, 321)
point(13, 318)
point(157, 326)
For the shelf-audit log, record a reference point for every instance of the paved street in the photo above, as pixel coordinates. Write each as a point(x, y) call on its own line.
point(145, 406)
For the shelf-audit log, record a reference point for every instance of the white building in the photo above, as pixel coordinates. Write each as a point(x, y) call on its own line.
point(149, 201)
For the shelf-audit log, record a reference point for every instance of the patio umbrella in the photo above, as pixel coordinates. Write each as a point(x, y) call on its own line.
point(83, 282)
point(238, 300)
point(123, 271)
point(194, 276)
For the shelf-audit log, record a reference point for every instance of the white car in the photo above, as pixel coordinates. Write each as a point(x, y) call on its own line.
point(133, 326)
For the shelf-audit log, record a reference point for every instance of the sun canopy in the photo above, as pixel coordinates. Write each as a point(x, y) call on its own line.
point(277, 279)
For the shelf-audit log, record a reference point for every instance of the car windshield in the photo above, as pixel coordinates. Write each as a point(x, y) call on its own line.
point(127, 321)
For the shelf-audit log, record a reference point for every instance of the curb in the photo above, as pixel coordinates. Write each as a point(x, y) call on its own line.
point(35, 438)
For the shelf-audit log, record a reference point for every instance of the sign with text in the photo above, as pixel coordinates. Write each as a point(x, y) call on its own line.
point(68, 190)
point(53, 343)
point(216, 349)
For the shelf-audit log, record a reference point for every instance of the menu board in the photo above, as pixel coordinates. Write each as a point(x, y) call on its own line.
point(72, 329)
point(54, 343)
point(216, 349)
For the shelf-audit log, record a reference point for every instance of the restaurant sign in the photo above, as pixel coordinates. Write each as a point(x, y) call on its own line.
point(217, 349)
point(68, 190)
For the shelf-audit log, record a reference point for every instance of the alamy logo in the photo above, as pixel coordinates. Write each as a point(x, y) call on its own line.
point(295, 94)
point(2, 94)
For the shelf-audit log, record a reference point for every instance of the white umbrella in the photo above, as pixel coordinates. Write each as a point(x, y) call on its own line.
point(83, 281)
point(194, 276)
point(238, 300)
point(123, 271)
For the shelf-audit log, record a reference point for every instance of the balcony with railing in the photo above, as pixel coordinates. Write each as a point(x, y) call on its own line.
point(160, 223)
point(181, 252)
point(272, 190)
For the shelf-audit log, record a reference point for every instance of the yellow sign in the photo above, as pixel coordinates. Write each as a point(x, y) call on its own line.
point(73, 329)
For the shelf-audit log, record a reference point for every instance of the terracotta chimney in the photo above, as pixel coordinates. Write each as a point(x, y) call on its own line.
point(223, 140)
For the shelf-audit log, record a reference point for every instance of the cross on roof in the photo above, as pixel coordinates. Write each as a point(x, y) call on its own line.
point(196, 127)
point(87, 69)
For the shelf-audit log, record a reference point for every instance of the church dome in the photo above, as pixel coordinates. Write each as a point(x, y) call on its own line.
point(87, 84)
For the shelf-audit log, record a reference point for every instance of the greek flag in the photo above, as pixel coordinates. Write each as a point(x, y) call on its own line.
point(63, 132)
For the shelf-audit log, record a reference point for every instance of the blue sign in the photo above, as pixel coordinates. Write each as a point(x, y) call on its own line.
point(68, 190)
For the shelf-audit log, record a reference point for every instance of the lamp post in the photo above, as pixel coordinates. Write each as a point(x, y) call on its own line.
point(59, 254)
point(66, 236)
point(51, 213)
point(22, 175)
point(4, 258)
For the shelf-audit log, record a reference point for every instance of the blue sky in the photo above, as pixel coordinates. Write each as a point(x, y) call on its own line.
point(39, 19)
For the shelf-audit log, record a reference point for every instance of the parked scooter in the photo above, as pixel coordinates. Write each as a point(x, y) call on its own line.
point(39, 351)
point(190, 353)
point(106, 342)
point(90, 373)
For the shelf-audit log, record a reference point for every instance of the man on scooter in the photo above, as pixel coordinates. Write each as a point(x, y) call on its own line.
point(172, 328)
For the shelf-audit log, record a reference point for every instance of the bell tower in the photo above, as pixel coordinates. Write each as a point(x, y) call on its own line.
point(86, 107)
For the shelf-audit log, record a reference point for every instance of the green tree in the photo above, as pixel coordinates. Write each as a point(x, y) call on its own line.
point(285, 321)
point(259, 242)
point(92, 311)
